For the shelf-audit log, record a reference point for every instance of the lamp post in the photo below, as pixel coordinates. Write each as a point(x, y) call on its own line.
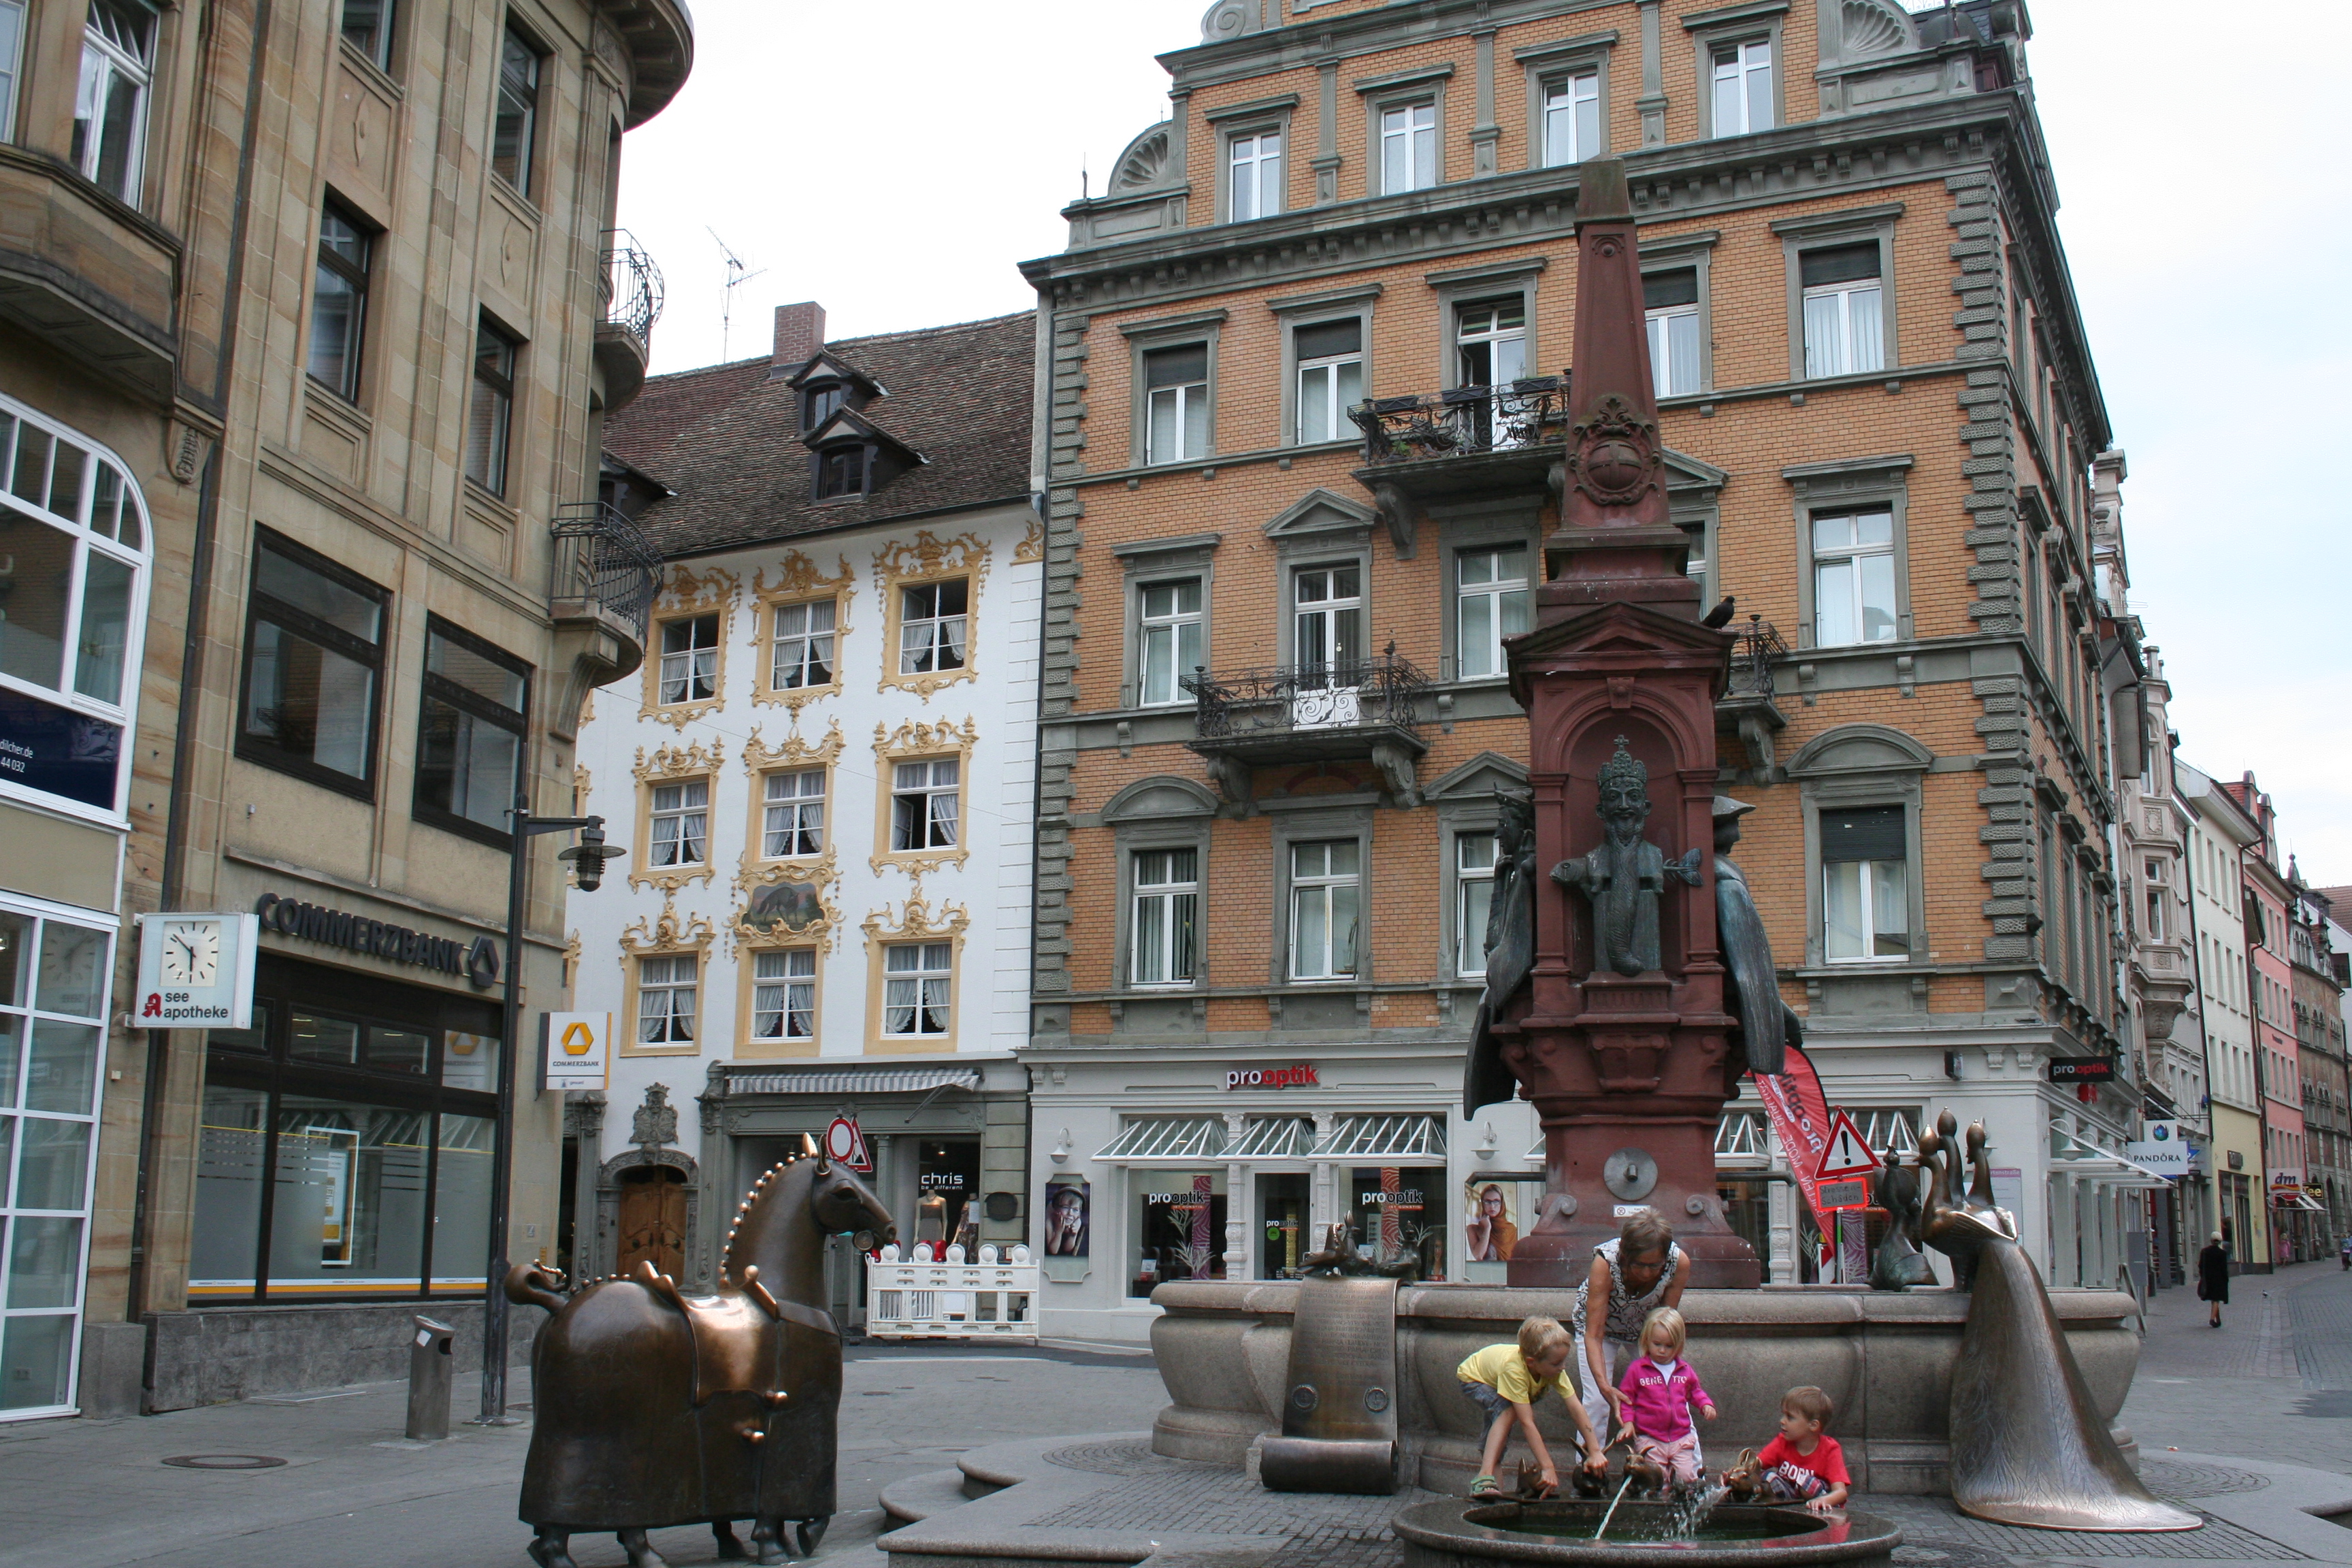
point(587, 858)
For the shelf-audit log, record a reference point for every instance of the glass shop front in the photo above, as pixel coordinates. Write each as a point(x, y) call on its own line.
point(346, 1142)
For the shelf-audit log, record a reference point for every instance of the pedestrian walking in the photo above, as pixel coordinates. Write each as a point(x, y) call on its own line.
point(2213, 1276)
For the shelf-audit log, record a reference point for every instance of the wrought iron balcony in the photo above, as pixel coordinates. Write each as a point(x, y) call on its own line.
point(629, 294)
point(1747, 707)
point(603, 567)
point(1368, 709)
point(1464, 421)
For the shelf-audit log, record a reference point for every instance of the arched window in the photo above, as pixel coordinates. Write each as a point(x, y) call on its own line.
point(74, 544)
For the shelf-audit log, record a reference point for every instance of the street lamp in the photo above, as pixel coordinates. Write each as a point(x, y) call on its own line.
point(587, 858)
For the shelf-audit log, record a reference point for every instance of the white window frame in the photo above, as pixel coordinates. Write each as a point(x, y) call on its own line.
point(1866, 896)
point(1495, 591)
point(1254, 173)
point(1858, 303)
point(928, 987)
point(1408, 129)
point(1751, 59)
point(2159, 892)
point(938, 641)
point(1327, 613)
point(937, 830)
point(104, 59)
point(1181, 399)
point(1662, 324)
point(678, 1023)
point(799, 816)
point(1169, 629)
point(1493, 338)
point(1329, 400)
point(1167, 955)
point(1314, 892)
point(695, 665)
point(685, 819)
point(1853, 557)
point(12, 63)
point(1473, 894)
point(804, 643)
point(1565, 98)
point(789, 995)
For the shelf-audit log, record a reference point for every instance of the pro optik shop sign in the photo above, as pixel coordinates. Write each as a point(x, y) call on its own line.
point(478, 962)
point(1299, 1076)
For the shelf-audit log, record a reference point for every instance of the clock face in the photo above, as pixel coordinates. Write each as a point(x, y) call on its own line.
point(192, 953)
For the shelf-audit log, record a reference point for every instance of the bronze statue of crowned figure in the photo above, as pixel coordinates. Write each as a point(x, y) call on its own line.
point(1625, 875)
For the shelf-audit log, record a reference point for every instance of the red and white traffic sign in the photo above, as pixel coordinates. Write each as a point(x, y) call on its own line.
point(845, 1143)
point(1847, 1154)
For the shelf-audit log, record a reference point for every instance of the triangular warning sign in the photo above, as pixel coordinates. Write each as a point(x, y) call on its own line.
point(1847, 1154)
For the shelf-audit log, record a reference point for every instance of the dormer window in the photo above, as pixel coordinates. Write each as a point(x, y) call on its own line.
point(850, 457)
point(818, 403)
point(841, 471)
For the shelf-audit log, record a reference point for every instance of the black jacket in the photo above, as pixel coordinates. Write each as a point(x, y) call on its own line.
point(2213, 1274)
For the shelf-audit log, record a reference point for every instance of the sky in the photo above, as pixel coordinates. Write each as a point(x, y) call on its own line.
point(899, 173)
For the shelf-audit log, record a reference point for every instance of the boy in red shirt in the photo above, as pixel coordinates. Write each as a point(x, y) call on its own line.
point(1803, 1464)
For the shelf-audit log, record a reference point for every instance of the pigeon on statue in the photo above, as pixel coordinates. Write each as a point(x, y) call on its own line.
point(1719, 616)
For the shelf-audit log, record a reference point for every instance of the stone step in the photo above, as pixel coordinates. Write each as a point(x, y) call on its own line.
point(919, 1498)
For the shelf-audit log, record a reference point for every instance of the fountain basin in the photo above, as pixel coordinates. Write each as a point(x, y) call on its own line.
point(1558, 1536)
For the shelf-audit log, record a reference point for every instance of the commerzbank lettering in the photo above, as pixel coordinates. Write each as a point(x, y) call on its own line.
point(476, 961)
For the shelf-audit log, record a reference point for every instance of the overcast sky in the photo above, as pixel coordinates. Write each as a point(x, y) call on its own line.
point(896, 165)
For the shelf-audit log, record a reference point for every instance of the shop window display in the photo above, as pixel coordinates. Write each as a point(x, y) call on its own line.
point(1180, 1228)
point(1399, 1213)
point(1284, 1232)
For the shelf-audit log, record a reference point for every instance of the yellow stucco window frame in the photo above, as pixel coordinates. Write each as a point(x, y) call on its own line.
point(685, 595)
point(667, 765)
point(916, 742)
point(798, 581)
point(665, 935)
point(917, 923)
point(910, 563)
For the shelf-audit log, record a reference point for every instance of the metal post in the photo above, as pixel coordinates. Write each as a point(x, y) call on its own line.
point(494, 1293)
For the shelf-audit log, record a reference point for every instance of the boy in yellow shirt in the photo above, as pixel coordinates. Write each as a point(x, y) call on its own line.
point(1505, 1382)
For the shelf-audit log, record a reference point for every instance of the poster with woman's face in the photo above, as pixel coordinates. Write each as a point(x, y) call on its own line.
point(1068, 1205)
point(1490, 1230)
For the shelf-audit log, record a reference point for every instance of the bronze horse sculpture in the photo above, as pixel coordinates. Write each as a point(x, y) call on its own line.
point(654, 1408)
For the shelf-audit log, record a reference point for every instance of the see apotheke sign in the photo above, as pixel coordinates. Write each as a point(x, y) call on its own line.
point(1299, 1076)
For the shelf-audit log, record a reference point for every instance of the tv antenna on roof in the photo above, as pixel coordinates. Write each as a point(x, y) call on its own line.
point(736, 278)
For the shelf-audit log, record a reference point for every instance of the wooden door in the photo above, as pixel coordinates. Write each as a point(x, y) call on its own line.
point(653, 1221)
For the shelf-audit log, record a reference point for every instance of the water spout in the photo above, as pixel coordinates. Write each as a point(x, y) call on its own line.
point(1605, 1518)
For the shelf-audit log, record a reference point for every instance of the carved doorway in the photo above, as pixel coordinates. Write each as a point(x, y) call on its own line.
point(653, 1221)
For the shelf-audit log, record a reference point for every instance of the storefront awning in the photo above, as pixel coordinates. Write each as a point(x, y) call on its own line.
point(2097, 1164)
point(2296, 1201)
point(1276, 1138)
point(1385, 1138)
point(1171, 1140)
point(903, 1080)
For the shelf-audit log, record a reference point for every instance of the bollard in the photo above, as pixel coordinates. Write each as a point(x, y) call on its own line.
point(428, 1381)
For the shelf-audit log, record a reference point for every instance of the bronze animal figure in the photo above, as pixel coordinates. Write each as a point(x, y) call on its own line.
point(654, 1408)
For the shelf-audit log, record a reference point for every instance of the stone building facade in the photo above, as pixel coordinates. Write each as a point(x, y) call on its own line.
point(1883, 414)
point(2316, 1001)
point(823, 781)
point(2219, 833)
point(304, 342)
point(2278, 1057)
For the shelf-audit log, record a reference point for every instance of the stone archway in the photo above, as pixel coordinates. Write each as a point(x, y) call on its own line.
point(647, 1205)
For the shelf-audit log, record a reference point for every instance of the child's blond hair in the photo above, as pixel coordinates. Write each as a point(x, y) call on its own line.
point(1539, 1337)
point(1667, 1324)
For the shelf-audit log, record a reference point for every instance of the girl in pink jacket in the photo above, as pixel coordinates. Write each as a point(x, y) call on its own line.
point(1660, 1391)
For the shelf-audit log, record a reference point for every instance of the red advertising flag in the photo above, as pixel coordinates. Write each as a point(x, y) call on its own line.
point(1800, 1117)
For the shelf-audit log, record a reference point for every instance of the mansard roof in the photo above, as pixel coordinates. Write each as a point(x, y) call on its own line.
point(726, 439)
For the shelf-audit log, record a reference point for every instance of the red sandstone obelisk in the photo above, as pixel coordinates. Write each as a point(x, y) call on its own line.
point(1623, 1044)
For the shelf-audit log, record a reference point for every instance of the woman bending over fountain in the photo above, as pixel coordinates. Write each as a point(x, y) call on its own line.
point(1639, 1272)
point(1505, 1381)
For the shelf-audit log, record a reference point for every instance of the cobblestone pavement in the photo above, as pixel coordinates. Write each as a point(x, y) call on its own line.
point(2273, 1383)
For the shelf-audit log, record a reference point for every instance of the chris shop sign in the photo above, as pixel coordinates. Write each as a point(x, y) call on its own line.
point(476, 961)
point(1299, 1076)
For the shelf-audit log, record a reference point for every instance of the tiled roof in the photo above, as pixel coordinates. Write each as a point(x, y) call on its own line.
point(726, 438)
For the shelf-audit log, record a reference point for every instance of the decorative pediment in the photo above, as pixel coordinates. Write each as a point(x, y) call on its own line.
point(791, 751)
point(680, 761)
point(846, 427)
point(1160, 799)
point(1482, 777)
point(1144, 163)
point(1686, 474)
point(1861, 749)
point(1864, 29)
point(1619, 627)
point(824, 367)
point(667, 933)
point(687, 591)
point(1322, 513)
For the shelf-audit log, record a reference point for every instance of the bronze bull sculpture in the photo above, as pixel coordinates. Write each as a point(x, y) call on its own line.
point(654, 1408)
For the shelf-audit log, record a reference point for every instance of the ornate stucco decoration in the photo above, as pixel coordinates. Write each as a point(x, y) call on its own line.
point(669, 764)
point(756, 869)
point(796, 913)
point(582, 781)
point(904, 563)
point(1032, 542)
point(656, 1122)
point(912, 740)
point(572, 962)
point(664, 933)
point(689, 593)
point(1613, 453)
point(797, 582)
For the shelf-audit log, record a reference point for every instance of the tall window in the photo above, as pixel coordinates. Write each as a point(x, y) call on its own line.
point(314, 659)
point(923, 805)
point(11, 43)
point(1670, 303)
point(1329, 621)
point(489, 415)
point(1330, 377)
point(1409, 147)
point(513, 132)
point(677, 825)
point(1854, 578)
point(666, 985)
point(1743, 88)
point(1474, 876)
point(1844, 313)
point(916, 980)
point(1326, 896)
point(784, 994)
point(933, 621)
point(2157, 891)
point(1490, 604)
point(339, 302)
point(1491, 338)
point(1866, 885)
point(470, 727)
point(118, 62)
point(367, 27)
point(1571, 123)
point(801, 652)
point(1170, 638)
point(1167, 903)
point(1256, 161)
point(1176, 393)
point(792, 814)
point(689, 658)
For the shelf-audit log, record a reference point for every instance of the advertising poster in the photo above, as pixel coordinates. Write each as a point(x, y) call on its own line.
point(1490, 1228)
point(1069, 1217)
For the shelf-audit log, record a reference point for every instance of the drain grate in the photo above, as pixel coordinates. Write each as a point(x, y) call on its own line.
point(222, 1462)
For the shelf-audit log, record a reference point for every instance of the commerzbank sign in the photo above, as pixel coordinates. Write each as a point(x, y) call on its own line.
point(476, 961)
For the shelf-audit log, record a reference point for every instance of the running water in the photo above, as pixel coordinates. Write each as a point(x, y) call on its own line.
point(1690, 1511)
point(1605, 1518)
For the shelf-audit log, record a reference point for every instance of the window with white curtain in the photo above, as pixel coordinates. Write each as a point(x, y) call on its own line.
point(1409, 147)
point(933, 622)
point(923, 805)
point(1670, 301)
point(1490, 604)
point(1474, 875)
point(666, 987)
point(802, 649)
point(1330, 377)
point(1571, 123)
point(1176, 398)
point(1326, 907)
point(1866, 885)
point(1743, 87)
point(1254, 159)
point(689, 658)
point(792, 814)
point(1854, 578)
point(1845, 326)
point(784, 994)
point(1169, 634)
point(12, 45)
point(678, 827)
point(1167, 904)
point(917, 979)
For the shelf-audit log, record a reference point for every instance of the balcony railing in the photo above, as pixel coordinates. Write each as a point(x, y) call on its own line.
point(1373, 693)
point(604, 562)
point(1754, 656)
point(629, 286)
point(1464, 420)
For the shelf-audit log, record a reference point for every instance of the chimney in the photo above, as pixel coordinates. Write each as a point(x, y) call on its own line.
point(800, 337)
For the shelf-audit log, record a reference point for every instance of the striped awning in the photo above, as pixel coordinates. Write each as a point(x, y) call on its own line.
point(902, 1080)
point(1276, 1138)
point(1385, 1138)
point(1167, 1139)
